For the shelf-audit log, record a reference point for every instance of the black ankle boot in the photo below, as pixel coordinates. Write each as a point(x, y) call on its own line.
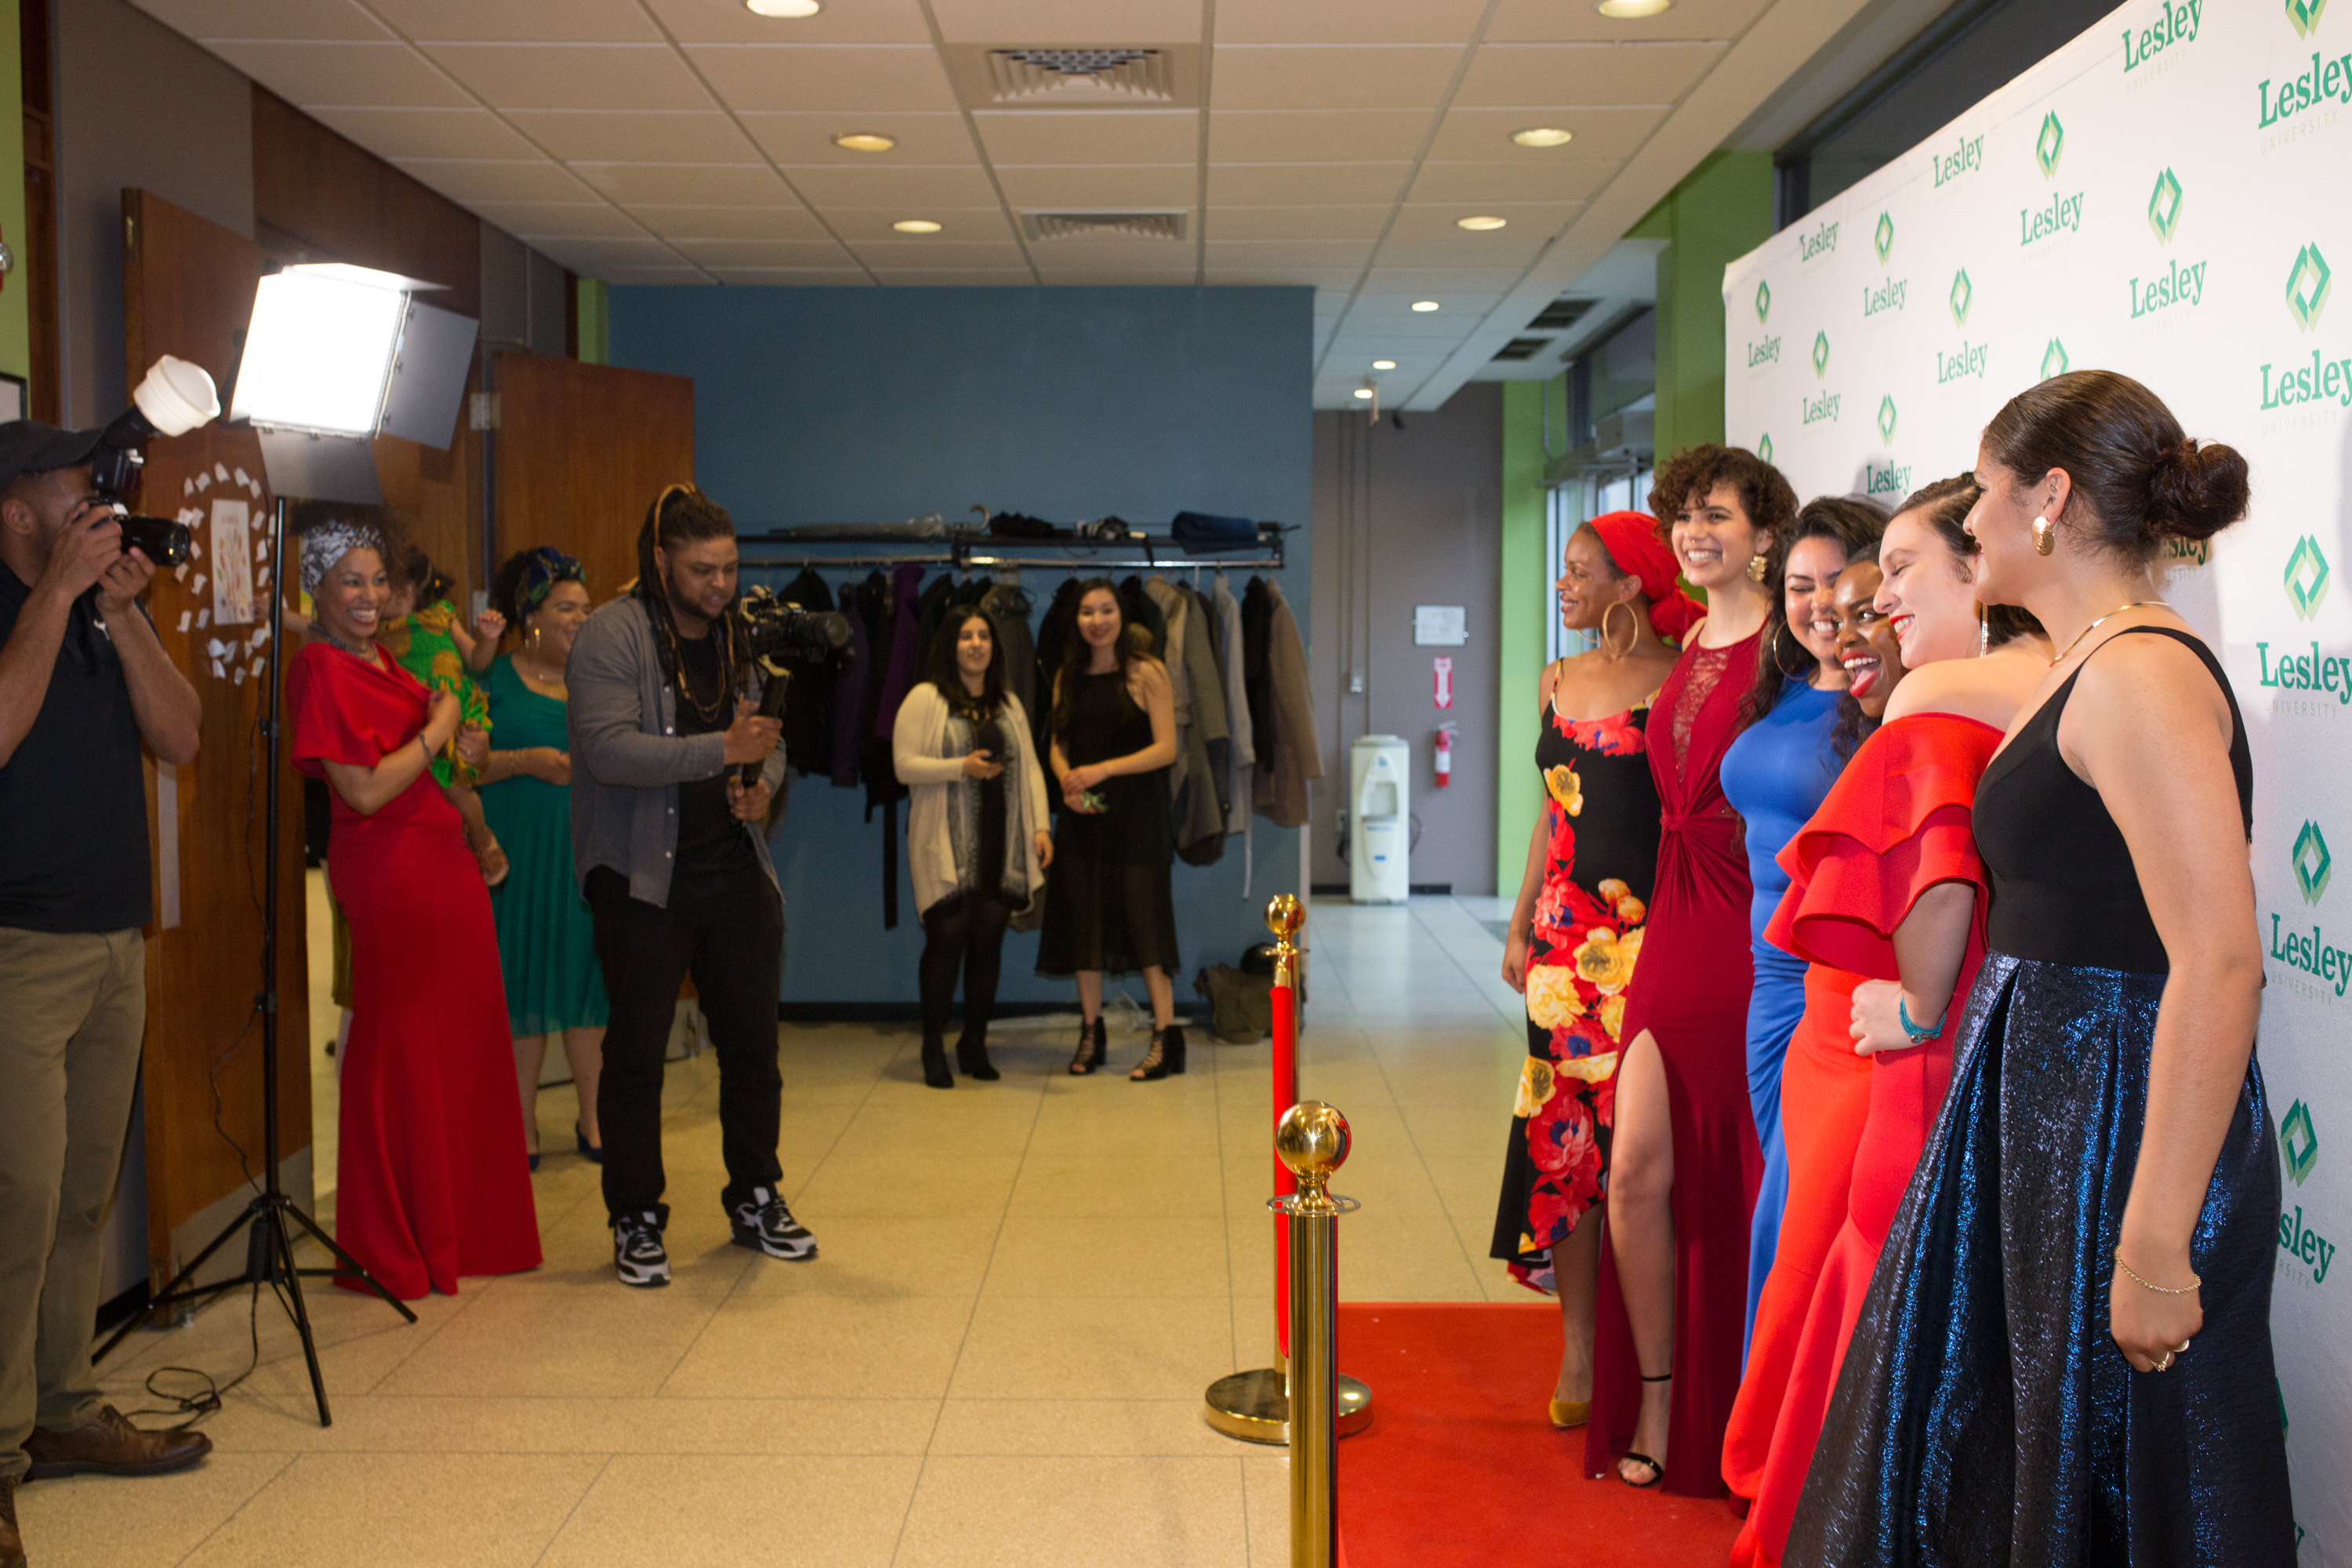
point(971, 1054)
point(1094, 1044)
point(934, 1063)
point(1166, 1055)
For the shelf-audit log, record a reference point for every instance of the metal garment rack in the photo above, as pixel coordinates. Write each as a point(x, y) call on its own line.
point(967, 550)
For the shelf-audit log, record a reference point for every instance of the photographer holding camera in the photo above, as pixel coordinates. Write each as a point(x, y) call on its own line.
point(666, 839)
point(84, 685)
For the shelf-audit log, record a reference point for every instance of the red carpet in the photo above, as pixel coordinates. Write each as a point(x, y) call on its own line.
point(1460, 1464)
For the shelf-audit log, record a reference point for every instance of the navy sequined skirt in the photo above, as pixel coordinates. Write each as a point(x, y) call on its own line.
point(1983, 1415)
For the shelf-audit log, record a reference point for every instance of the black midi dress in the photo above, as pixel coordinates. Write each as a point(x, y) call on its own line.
point(1108, 903)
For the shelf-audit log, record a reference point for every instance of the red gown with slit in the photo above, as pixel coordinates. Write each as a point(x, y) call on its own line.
point(1690, 992)
point(432, 1179)
point(1898, 822)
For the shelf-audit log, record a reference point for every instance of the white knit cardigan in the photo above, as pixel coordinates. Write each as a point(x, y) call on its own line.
point(917, 747)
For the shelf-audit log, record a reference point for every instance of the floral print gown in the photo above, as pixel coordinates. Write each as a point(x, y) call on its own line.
point(1600, 818)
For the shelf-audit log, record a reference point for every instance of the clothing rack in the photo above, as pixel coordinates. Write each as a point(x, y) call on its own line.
point(967, 549)
point(1010, 563)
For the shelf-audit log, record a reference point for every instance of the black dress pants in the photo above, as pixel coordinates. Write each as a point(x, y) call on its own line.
point(733, 945)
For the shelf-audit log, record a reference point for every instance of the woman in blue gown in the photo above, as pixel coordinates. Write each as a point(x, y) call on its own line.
point(1775, 776)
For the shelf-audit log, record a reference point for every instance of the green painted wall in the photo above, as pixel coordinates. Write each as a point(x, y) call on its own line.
point(1518, 792)
point(16, 340)
point(1721, 212)
point(594, 323)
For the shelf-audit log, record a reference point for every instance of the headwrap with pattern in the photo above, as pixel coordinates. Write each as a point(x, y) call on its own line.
point(330, 542)
point(542, 569)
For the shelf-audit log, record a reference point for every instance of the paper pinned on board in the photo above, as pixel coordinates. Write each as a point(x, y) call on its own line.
point(185, 616)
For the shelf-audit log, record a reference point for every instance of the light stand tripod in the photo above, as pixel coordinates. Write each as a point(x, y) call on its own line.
point(269, 1240)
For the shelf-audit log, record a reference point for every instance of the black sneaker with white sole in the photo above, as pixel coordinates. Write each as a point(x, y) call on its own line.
point(639, 1255)
point(763, 1224)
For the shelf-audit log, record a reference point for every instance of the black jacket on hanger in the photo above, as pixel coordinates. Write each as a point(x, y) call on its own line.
point(808, 700)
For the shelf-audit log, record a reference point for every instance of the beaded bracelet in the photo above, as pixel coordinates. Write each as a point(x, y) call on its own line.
point(2194, 1281)
point(1918, 1036)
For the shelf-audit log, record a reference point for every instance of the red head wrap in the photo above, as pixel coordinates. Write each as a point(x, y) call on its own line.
point(1632, 539)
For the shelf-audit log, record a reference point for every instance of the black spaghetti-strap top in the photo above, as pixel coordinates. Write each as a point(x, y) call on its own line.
point(2063, 889)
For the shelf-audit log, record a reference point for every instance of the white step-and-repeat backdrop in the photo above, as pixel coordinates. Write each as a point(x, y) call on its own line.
point(2169, 197)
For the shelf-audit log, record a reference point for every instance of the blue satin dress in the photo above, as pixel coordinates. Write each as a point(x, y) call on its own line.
point(1776, 776)
point(1983, 1414)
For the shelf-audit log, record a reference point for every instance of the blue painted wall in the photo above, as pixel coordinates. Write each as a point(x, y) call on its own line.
point(870, 406)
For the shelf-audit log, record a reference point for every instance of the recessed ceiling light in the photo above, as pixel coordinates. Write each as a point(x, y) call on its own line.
point(1363, 392)
point(782, 7)
point(865, 141)
point(1627, 9)
point(1424, 306)
point(916, 226)
point(1543, 136)
point(1384, 364)
point(1480, 224)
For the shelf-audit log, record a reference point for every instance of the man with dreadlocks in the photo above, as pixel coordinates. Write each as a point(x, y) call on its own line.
point(667, 840)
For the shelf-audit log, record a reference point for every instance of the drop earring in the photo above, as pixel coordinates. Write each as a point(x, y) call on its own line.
point(1984, 631)
point(2045, 536)
point(1758, 565)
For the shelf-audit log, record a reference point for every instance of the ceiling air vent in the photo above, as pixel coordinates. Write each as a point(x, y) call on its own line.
point(1024, 75)
point(1116, 225)
point(1561, 315)
point(1520, 348)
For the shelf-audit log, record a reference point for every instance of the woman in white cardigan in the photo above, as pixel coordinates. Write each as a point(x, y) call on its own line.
point(977, 838)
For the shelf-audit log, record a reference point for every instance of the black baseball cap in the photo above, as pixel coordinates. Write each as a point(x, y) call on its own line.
point(30, 447)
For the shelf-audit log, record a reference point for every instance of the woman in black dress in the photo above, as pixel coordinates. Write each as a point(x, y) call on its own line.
point(1107, 906)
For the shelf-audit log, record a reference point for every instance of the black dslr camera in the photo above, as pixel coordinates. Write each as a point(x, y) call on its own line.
point(785, 633)
point(176, 397)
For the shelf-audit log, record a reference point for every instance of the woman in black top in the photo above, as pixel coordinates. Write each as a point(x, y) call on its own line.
point(1107, 905)
point(2065, 1353)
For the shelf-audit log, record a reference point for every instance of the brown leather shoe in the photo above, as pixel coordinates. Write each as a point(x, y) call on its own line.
point(12, 1545)
point(110, 1446)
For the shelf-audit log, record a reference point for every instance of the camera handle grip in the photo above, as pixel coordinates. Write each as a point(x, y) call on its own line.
point(771, 706)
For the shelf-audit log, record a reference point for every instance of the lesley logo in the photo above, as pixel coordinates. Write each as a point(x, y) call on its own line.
point(1964, 158)
point(1886, 479)
point(2328, 81)
point(1822, 409)
point(1963, 295)
point(2174, 24)
point(2323, 380)
point(1764, 351)
point(2054, 360)
point(1969, 360)
point(1763, 301)
point(2164, 208)
point(2304, 15)
point(2059, 215)
point(1885, 296)
point(1764, 447)
point(2049, 144)
point(2298, 1240)
point(1886, 418)
point(2312, 865)
point(2306, 578)
point(1820, 242)
point(1821, 353)
point(2177, 286)
point(1883, 240)
point(2307, 283)
point(2299, 1142)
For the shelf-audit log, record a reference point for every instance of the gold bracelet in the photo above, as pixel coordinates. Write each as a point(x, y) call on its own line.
point(2194, 1281)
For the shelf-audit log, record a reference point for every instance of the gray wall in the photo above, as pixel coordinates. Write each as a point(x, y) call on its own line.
point(1404, 517)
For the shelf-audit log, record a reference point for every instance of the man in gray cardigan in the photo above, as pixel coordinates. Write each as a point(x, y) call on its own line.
point(667, 840)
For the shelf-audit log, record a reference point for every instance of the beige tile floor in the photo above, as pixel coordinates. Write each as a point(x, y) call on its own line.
point(998, 1357)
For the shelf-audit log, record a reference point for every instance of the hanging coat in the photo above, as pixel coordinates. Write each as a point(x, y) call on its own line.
point(1008, 608)
point(808, 700)
point(1241, 752)
point(1294, 756)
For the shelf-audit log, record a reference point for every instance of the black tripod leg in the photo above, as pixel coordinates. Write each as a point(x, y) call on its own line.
point(351, 1265)
point(179, 1283)
point(283, 1245)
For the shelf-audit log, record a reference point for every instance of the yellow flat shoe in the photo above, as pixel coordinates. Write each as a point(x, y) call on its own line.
point(1566, 1413)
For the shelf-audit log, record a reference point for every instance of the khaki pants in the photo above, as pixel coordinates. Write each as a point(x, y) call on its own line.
point(72, 1008)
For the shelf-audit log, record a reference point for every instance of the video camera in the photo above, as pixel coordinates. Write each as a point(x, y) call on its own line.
point(175, 398)
point(785, 633)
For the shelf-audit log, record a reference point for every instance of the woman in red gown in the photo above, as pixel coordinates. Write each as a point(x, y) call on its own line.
point(1684, 1160)
point(1889, 852)
point(431, 1178)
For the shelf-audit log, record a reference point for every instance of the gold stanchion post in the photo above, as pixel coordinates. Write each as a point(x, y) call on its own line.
point(1313, 1143)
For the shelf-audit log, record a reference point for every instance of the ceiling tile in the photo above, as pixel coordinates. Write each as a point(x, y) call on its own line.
point(596, 258)
point(1537, 74)
point(1349, 21)
point(573, 220)
point(867, 227)
point(1270, 78)
point(1101, 136)
point(1069, 21)
point(1376, 308)
point(1268, 136)
point(211, 20)
point(879, 185)
point(699, 184)
point(1442, 282)
point(1549, 21)
point(1120, 278)
point(808, 138)
point(486, 181)
point(1434, 220)
point(622, 136)
point(717, 254)
point(1297, 221)
point(931, 255)
point(1003, 278)
point(795, 277)
point(727, 22)
point(1514, 180)
point(1329, 282)
point(1095, 252)
point(729, 223)
point(1273, 184)
point(1105, 189)
point(428, 132)
point(808, 77)
point(1474, 136)
point(572, 76)
point(312, 74)
point(1499, 252)
point(520, 21)
point(1306, 255)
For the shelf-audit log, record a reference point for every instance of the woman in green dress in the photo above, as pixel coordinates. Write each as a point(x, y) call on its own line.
point(547, 945)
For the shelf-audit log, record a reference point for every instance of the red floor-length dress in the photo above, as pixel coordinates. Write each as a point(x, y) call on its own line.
point(1896, 824)
point(1690, 992)
point(432, 1180)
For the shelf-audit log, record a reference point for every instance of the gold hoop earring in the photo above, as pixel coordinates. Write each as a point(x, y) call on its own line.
point(2045, 536)
point(1635, 637)
point(1759, 566)
point(1786, 673)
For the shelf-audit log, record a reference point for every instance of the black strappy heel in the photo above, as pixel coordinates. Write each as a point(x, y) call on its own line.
point(1657, 1471)
point(1166, 1056)
point(1094, 1045)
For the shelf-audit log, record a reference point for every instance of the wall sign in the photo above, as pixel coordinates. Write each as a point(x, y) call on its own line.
point(1439, 625)
point(1444, 696)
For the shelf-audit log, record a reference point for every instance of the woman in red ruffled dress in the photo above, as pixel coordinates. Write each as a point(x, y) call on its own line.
point(1885, 883)
point(431, 1173)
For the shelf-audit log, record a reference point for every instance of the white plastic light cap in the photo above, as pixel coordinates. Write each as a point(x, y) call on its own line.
point(177, 397)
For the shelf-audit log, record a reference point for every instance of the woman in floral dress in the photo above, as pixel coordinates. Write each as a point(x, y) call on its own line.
point(1576, 930)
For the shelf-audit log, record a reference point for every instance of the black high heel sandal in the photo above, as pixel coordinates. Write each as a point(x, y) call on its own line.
point(935, 1064)
point(1166, 1055)
point(1657, 1471)
point(1094, 1045)
point(972, 1056)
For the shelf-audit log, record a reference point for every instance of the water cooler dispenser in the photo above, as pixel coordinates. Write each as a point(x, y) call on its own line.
point(1380, 801)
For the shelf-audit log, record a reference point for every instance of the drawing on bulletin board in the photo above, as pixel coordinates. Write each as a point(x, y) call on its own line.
point(232, 562)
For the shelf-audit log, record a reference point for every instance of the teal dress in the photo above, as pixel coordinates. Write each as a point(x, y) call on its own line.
point(547, 944)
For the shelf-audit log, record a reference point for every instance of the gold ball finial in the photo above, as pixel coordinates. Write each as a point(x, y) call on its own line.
point(1285, 915)
point(1312, 1139)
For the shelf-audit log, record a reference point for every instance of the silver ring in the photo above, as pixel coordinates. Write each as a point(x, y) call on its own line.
point(2180, 1349)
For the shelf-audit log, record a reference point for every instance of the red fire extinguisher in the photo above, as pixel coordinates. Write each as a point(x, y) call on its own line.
point(1444, 755)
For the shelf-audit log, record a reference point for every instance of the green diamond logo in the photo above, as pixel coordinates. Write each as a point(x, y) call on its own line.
point(2307, 283)
point(1763, 300)
point(1884, 239)
point(2299, 1142)
point(2306, 578)
point(2305, 14)
point(2312, 864)
point(1886, 418)
point(2054, 360)
point(1821, 353)
point(1963, 294)
point(2164, 208)
point(1764, 447)
point(2049, 144)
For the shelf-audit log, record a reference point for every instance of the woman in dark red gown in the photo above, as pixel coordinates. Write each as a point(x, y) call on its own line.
point(431, 1178)
point(1684, 1162)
